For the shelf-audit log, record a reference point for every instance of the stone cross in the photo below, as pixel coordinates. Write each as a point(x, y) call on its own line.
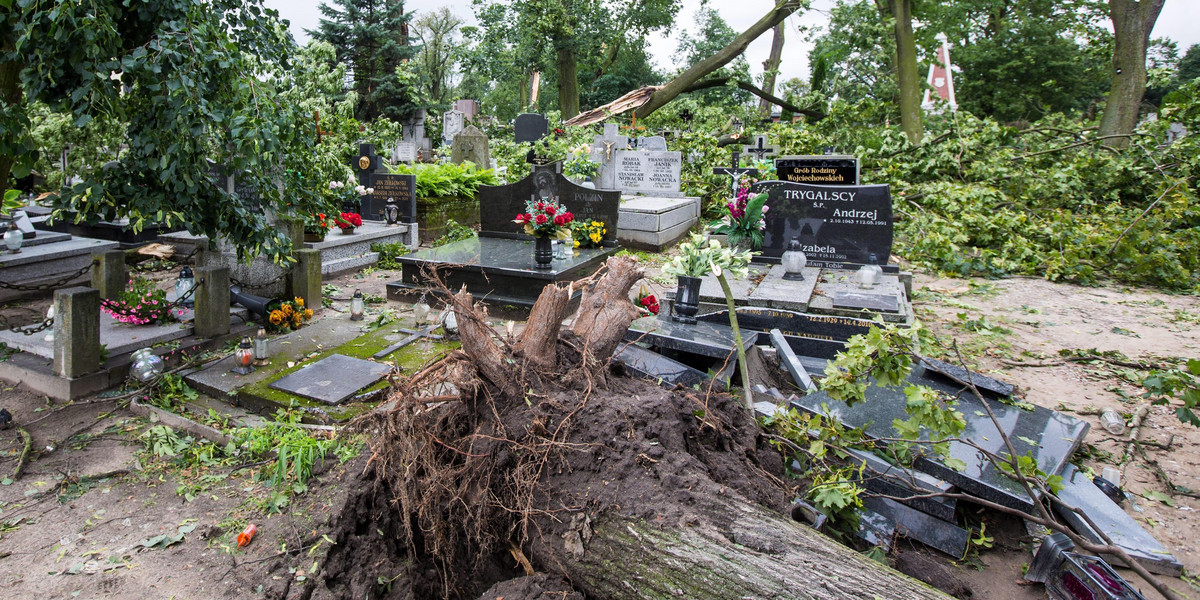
point(734, 171)
point(603, 149)
point(471, 144)
point(760, 150)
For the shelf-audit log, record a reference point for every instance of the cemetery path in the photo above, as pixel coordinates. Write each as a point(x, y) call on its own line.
point(1038, 335)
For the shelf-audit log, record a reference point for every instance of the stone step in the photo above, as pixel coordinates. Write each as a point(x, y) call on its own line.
point(653, 223)
point(341, 265)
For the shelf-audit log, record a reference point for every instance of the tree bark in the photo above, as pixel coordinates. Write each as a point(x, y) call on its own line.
point(478, 345)
point(907, 77)
point(10, 95)
point(815, 115)
point(568, 78)
point(1132, 22)
point(771, 67)
point(538, 342)
point(736, 47)
point(741, 550)
point(605, 311)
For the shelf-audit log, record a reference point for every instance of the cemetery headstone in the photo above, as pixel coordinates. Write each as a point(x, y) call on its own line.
point(453, 122)
point(471, 144)
point(413, 130)
point(498, 205)
point(818, 170)
point(654, 143)
point(760, 148)
point(530, 127)
point(604, 149)
point(835, 225)
point(649, 173)
point(469, 108)
point(404, 152)
point(401, 189)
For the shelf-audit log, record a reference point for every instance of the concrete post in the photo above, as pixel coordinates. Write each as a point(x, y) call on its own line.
point(306, 277)
point(212, 301)
point(76, 331)
point(109, 274)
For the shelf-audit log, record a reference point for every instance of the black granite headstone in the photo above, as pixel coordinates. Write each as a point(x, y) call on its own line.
point(401, 188)
point(530, 127)
point(836, 226)
point(332, 379)
point(793, 323)
point(818, 170)
point(864, 301)
point(500, 204)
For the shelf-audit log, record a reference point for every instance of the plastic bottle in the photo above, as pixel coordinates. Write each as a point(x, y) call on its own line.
point(246, 535)
point(1113, 422)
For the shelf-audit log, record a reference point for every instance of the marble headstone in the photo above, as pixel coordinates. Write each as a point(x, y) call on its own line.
point(654, 143)
point(655, 173)
point(604, 152)
point(404, 152)
point(453, 122)
point(471, 144)
point(402, 189)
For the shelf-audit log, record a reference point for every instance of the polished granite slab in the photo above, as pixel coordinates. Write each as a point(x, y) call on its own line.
point(332, 379)
point(1051, 437)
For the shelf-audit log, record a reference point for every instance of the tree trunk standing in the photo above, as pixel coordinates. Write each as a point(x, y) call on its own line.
point(568, 77)
point(741, 551)
point(1132, 22)
point(771, 67)
point(680, 84)
point(907, 77)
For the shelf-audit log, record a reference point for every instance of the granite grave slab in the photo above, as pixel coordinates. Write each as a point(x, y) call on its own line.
point(885, 478)
point(664, 371)
point(332, 379)
point(530, 127)
point(707, 347)
point(648, 173)
point(500, 204)
point(866, 301)
point(963, 376)
point(916, 525)
point(789, 361)
point(837, 226)
point(402, 189)
point(1079, 491)
point(1050, 437)
point(836, 293)
point(811, 337)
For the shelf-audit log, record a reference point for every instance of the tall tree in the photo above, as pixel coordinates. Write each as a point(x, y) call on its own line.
point(188, 82)
point(1132, 22)
point(372, 37)
point(439, 54)
point(908, 80)
point(771, 65)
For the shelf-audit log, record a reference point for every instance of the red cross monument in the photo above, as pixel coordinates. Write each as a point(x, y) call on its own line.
point(941, 79)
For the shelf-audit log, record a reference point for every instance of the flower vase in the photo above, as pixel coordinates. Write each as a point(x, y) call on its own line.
point(687, 300)
point(347, 230)
point(543, 252)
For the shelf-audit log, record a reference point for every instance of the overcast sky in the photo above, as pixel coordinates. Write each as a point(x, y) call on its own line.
point(1178, 22)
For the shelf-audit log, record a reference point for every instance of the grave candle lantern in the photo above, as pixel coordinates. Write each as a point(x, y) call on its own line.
point(356, 306)
point(244, 358)
point(793, 261)
point(183, 285)
point(262, 355)
point(13, 238)
point(867, 277)
point(421, 310)
point(145, 366)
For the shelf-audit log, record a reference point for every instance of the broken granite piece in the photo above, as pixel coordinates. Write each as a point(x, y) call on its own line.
point(961, 375)
point(1078, 491)
point(789, 361)
point(332, 379)
point(916, 525)
point(885, 478)
point(658, 368)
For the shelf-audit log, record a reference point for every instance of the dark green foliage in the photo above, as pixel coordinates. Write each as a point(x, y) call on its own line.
point(1182, 384)
point(371, 36)
point(448, 180)
point(455, 232)
point(388, 253)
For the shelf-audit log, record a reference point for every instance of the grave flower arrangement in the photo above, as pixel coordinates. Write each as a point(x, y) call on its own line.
point(698, 258)
point(348, 220)
point(140, 303)
point(646, 301)
point(744, 221)
point(317, 223)
point(546, 219)
point(286, 315)
point(588, 234)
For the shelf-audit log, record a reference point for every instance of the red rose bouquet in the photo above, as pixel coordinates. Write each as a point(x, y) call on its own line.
point(646, 301)
point(347, 220)
point(546, 218)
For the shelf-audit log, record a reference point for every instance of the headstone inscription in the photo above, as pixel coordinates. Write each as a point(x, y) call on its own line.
point(837, 226)
point(829, 169)
point(530, 127)
point(453, 122)
point(499, 205)
point(471, 144)
point(648, 173)
point(401, 189)
point(604, 149)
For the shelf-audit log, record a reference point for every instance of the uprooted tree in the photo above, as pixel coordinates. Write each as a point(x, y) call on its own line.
point(535, 447)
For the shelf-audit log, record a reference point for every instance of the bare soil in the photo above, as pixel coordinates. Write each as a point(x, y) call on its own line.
point(73, 524)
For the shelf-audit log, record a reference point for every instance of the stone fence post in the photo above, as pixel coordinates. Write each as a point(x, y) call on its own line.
point(212, 301)
point(306, 277)
point(109, 274)
point(76, 331)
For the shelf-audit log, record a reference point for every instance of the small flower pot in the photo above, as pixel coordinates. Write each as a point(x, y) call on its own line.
point(543, 252)
point(347, 230)
point(314, 237)
point(687, 300)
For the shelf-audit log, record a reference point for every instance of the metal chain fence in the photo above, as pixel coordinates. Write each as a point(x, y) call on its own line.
point(247, 286)
point(116, 308)
point(44, 325)
point(42, 287)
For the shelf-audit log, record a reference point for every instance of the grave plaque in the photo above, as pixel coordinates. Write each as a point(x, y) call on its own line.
point(332, 379)
point(530, 127)
point(500, 204)
point(818, 170)
point(401, 188)
point(452, 123)
point(404, 152)
point(864, 301)
point(836, 226)
point(648, 173)
point(654, 143)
